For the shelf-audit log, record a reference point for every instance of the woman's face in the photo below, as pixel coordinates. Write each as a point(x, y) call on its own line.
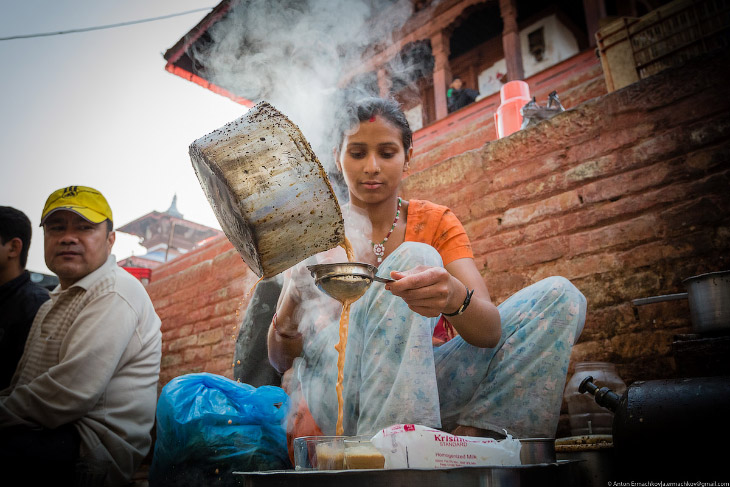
point(372, 160)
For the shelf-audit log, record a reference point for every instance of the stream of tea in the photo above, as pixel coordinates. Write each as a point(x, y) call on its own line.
point(342, 344)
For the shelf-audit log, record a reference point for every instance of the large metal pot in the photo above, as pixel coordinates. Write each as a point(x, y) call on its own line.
point(268, 190)
point(709, 300)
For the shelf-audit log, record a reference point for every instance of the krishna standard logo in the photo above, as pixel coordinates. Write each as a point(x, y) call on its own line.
point(450, 440)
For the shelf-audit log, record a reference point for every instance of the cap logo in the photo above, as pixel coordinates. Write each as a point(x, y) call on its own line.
point(70, 192)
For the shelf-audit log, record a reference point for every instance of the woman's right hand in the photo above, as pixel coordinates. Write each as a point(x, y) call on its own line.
point(428, 291)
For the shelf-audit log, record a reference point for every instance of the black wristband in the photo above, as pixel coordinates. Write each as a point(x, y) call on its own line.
point(464, 305)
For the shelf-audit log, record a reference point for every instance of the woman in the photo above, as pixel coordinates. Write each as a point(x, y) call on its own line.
point(505, 370)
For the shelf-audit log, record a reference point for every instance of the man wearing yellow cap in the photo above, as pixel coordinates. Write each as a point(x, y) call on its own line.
point(82, 400)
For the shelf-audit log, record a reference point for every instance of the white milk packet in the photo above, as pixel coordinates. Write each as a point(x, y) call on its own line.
point(416, 446)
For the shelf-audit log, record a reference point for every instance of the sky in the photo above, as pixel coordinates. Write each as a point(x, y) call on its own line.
point(98, 109)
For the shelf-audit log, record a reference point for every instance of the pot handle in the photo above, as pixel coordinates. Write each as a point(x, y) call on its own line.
point(658, 299)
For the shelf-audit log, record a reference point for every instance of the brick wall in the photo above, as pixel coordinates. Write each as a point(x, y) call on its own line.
point(626, 195)
point(200, 299)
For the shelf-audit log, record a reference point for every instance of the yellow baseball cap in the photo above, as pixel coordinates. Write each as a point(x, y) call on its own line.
point(86, 202)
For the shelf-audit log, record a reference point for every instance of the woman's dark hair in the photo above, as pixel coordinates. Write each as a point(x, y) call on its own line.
point(14, 224)
point(367, 108)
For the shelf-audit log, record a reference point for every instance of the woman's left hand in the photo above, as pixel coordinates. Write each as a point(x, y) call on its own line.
point(428, 291)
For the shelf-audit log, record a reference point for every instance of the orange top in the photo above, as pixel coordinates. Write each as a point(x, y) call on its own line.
point(438, 227)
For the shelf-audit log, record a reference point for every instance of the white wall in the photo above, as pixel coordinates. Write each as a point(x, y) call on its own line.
point(415, 117)
point(489, 81)
point(560, 44)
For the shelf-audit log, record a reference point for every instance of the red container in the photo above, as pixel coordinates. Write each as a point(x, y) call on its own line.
point(141, 273)
point(508, 119)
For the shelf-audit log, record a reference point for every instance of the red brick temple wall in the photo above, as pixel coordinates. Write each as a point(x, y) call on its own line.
point(200, 298)
point(625, 194)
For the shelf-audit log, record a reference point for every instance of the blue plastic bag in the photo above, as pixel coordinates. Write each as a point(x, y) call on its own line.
point(209, 426)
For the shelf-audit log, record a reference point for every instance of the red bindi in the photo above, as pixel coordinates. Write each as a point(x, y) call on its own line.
point(372, 119)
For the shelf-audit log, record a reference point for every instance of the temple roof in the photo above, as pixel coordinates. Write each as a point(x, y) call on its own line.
point(172, 210)
point(168, 228)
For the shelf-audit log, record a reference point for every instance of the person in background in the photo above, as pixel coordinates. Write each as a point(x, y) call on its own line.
point(458, 97)
point(81, 404)
point(20, 298)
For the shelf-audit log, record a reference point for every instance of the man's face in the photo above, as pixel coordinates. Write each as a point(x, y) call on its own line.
point(457, 84)
point(75, 247)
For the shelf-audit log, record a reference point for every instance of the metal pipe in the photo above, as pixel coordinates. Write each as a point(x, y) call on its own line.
point(659, 299)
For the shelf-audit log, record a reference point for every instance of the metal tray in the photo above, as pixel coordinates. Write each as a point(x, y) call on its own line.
point(560, 473)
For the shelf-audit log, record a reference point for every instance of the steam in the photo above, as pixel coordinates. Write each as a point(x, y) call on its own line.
point(319, 313)
point(293, 54)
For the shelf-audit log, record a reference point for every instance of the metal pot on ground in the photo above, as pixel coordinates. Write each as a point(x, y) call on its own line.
point(709, 301)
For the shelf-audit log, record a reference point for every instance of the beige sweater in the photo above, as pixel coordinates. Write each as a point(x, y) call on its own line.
point(93, 359)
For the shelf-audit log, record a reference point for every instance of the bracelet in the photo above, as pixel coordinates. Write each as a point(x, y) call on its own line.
point(464, 305)
point(284, 335)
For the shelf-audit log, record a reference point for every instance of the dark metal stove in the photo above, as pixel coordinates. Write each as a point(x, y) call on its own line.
point(669, 429)
point(702, 354)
